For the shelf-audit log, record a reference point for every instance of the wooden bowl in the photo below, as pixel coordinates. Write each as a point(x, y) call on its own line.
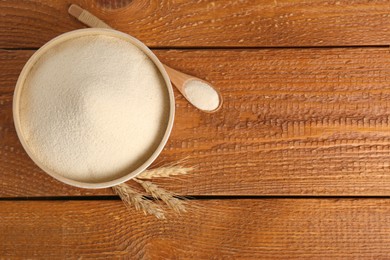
point(75, 34)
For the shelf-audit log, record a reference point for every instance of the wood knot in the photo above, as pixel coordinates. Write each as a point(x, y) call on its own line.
point(113, 4)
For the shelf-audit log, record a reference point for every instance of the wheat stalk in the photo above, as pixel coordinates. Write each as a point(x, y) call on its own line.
point(177, 204)
point(163, 172)
point(132, 198)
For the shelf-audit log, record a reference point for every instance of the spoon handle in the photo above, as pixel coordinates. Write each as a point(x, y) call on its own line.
point(178, 78)
point(86, 17)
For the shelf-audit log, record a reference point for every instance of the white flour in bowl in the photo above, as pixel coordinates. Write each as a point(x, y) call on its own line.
point(94, 108)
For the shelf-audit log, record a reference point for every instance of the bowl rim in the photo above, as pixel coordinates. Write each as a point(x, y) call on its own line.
point(71, 35)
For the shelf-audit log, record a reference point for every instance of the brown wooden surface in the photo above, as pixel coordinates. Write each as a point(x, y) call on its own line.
point(294, 122)
point(220, 229)
point(30, 23)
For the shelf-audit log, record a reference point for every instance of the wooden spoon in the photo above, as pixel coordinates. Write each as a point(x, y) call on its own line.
point(198, 92)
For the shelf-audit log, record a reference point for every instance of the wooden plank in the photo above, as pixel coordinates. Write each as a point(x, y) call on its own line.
point(31, 23)
point(294, 122)
point(216, 229)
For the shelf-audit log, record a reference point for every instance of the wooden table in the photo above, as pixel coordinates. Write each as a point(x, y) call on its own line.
point(295, 165)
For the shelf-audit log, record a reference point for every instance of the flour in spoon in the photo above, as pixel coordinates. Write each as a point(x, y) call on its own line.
point(202, 95)
point(94, 108)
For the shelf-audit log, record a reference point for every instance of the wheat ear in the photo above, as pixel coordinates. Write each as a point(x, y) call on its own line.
point(176, 204)
point(132, 198)
point(163, 172)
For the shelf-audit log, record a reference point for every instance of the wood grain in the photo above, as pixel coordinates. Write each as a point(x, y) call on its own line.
point(294, 122)
point(30, 23)
point(219, 229)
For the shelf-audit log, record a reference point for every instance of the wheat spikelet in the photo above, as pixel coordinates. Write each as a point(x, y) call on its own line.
point(163, 172)
point(132, 198)
point(177, 204)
